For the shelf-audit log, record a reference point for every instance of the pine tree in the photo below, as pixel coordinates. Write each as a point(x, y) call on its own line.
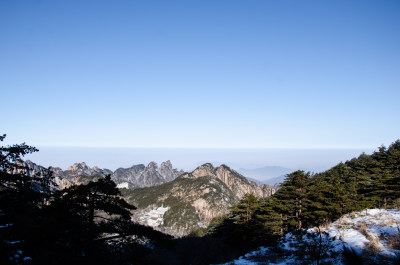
point(270, 219)
point(16, 184)
point(321, 201)
point(383, 175)
point(393, 168)
point(91, 200)
point(22, 198)
point(244, 210)
point(292, 199)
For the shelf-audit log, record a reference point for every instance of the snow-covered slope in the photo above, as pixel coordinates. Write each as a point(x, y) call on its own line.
point(373, 228)
point(371, 235)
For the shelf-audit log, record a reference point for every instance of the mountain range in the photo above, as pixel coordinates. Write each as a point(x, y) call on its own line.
point(137, 176)
point(169, 200)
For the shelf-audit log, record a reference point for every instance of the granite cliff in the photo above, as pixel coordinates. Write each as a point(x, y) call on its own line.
point(139, 176)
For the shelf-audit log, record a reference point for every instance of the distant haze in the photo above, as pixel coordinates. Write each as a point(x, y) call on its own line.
point(187, 159)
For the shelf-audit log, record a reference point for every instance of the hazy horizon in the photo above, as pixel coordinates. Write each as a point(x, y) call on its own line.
point(314, 160)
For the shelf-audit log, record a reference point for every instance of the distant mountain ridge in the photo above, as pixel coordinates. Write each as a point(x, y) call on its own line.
point(137, 176)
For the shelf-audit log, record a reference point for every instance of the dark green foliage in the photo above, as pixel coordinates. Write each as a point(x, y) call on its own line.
point(16, 185)
point(22, 198)
point(243, 226)
point(99, 197)
point(243, 212)
point(269, 218)
point(292, 198)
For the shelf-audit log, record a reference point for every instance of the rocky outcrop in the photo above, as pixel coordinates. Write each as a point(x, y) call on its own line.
point(33, 170)
point(237, 183)
point(139, 176)
point(168, 172)
point(241, 185)
point(81, 169)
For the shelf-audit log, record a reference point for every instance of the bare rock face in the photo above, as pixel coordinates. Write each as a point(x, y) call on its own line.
point(150, 176)
point(128, 175)
point(31, 169)
point(81, 169)
point(237, 183)
point(240, 185)
point(139, 176)
point(204, 170)
point(168, 172)
point(64, 183)
point(267, 190)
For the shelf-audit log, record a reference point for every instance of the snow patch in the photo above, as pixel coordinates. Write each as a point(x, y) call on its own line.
point(123, 185)
point(155, 217)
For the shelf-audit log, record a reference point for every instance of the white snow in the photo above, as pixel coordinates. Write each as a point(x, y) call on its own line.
point(154, 217)
point(123, 185)
point(367, 229)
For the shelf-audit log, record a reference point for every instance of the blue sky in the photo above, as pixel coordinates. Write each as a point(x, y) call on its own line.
point(200, 74)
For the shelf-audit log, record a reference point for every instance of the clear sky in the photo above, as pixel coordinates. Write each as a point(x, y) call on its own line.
point(200, 74)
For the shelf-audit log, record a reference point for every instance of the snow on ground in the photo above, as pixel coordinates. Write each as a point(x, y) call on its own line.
point(375, 230)
point(123, 185)
point(155, 217)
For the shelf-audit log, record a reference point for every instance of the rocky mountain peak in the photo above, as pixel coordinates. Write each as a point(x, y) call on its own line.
point(204, 170)
point(29, 162)
point(152, 165)
point(166, 164)
point(139, 176)
point(78, 166)
point(237, 183)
